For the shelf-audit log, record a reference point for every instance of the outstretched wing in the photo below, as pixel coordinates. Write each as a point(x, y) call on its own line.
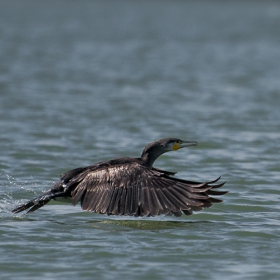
point(134, 190)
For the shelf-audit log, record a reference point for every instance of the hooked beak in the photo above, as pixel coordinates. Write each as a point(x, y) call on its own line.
point(183, 144)
point(187, 144)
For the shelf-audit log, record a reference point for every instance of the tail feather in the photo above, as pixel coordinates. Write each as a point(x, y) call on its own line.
point(23, 207)
point(36, 203)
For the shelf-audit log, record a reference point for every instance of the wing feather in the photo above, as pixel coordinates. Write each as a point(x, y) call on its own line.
point(133, 202)
point(190, 196)
point(145, 201)
point(79, 192)
point(103, 204)
point(133, 189)
point(115, 208)
point(122, 201)
point(162, 201)
point(128, 199)
point(112, 201)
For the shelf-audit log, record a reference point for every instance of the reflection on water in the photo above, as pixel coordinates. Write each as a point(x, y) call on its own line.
point(142, 224)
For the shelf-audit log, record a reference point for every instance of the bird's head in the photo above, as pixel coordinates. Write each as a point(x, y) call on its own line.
point(153, 150)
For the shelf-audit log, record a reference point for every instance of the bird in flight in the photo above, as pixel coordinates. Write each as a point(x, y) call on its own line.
point(132, 186)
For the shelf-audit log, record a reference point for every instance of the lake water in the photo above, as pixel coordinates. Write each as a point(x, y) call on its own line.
point(85, 81)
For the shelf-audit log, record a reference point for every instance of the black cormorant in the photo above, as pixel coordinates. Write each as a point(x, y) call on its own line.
point(132, 186)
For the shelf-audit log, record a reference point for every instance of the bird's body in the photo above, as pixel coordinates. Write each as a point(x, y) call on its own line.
point(131, 186)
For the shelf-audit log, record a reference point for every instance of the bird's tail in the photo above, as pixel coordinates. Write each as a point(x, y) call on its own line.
point(38, 202)
point(35, 203)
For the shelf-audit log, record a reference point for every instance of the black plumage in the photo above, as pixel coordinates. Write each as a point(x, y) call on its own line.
point(132, 186)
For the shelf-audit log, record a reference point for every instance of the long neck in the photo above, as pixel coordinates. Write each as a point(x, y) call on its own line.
point(150, 154)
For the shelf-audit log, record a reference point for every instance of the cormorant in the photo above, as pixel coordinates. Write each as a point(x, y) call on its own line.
point(132, 186)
